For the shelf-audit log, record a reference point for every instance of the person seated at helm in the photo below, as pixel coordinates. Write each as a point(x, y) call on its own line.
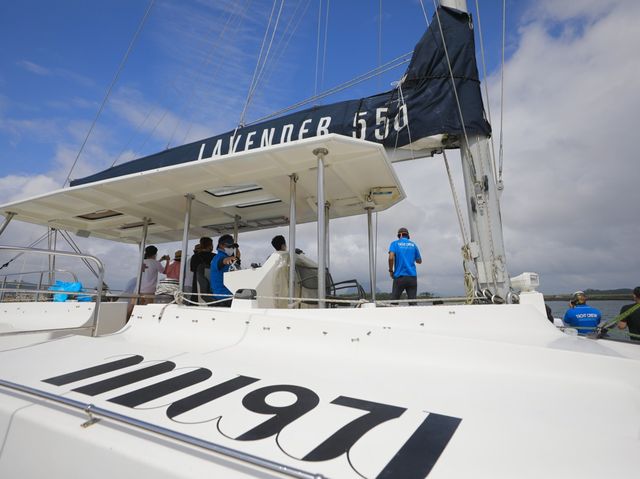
point(279, 243)
point(228, 253)
point(580, 315)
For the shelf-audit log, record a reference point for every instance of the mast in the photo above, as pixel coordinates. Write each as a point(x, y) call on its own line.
point(483, 206)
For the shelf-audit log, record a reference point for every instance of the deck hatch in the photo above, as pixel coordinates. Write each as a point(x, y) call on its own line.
point(99, 215)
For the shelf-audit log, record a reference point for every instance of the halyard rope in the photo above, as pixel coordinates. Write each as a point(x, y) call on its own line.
point(113, 82)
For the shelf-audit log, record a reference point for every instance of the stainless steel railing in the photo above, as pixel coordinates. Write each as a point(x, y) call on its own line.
point(99, 285)
point(95, 413)
point(40, 272)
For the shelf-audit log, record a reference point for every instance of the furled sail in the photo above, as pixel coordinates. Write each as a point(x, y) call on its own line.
point(422, 106)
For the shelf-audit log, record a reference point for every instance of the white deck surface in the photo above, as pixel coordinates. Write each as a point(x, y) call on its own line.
point(532, 402)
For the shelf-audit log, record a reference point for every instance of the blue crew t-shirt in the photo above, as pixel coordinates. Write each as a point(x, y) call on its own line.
point(582, 317)
point(217, 274)
point(406, 253)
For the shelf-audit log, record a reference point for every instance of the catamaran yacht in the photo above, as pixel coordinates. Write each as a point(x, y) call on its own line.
point(296, 379)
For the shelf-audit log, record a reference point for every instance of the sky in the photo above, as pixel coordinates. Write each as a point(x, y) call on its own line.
point(570, 102)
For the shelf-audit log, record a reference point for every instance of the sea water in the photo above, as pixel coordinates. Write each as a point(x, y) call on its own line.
point(609, 310)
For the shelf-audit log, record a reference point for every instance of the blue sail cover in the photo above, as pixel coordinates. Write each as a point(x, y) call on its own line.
point(425, 106)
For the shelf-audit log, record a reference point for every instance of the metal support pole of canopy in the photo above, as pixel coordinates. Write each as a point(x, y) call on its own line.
point(50, 256)
point(143, 241)
point(236, 222)
point(293, 179)
point(185, 240)
point(52, 271)
point(372, 272)
point(6, 222)
point(327, 208)
point(320, 153)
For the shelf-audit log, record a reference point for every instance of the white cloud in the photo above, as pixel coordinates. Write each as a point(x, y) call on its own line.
point(15, 187)
point(41, 70)
point(34, 68)
point(570, 154)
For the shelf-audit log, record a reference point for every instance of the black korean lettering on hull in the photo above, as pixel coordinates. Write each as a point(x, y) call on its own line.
point(255, 401)
point(415, 459)
point(163, 388)
point(94, 371)
point(115, 382)
point(419, 454)
point(343, 439)
point(210, 394)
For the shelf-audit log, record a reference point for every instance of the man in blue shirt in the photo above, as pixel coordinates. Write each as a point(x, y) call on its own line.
point(582, 316)
point(403, 256)
point(227, 254)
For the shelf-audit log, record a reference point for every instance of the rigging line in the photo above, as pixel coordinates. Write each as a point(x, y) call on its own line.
point(504, 30)
point(315, 87)
point(324, 53)
point(402, 102)
point(379, 40)
point(375, 249)
point(135, 132)
point(113, 82)
point(255, 71)
point(266, 57)
point(260, 61)
point(67, 237)
point(401, 60)
point(470, 161)
point(86, 262)
point(486, 89)
point(151, 133)
point(456, 201)
point(29, 246)
point(213, 76)
point(424, 12)
point(455, 93)
point(150, 113)
point(206, 62)
point(472, 167)
point(466, 258)
point(286, 38)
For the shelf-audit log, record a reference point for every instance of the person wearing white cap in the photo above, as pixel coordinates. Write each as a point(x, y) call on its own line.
point(581, 316)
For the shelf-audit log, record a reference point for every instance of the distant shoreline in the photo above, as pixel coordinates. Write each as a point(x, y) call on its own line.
point(591, 296)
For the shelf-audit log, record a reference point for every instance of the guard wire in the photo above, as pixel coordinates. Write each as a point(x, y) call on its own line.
point(113, 82)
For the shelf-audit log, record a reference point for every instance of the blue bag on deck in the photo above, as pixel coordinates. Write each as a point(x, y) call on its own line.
point(64, 286)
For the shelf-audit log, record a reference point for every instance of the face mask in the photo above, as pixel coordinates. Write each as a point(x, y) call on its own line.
point(230, 251)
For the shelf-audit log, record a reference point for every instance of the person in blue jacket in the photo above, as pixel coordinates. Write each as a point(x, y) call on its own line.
point(228, 253)
point(581, 316)
point(403, 256)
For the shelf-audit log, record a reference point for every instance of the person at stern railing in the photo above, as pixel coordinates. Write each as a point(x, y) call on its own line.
point(580, 315)
point(151, 267)
point(403, 257)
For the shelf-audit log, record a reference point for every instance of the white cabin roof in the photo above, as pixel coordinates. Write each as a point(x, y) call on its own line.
point(253, 185)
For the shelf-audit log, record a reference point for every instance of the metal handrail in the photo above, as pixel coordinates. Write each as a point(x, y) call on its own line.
point(40, 272)
point(92, 410)
point(75, 277)
point(97, 261)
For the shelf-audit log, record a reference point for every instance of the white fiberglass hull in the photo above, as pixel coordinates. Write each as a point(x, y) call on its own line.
point(443, 391)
